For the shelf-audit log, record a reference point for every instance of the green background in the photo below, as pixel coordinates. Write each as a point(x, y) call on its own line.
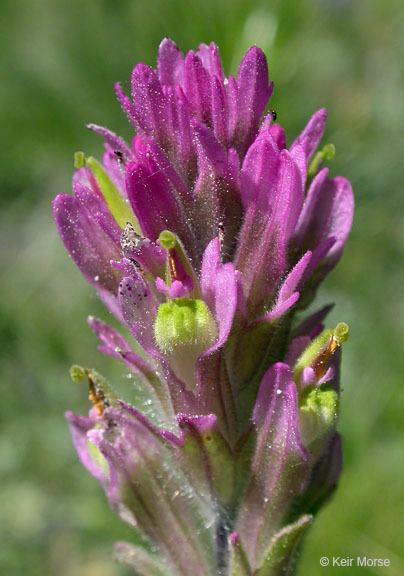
point(60, 60)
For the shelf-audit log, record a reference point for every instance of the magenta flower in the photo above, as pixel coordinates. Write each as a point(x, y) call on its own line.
point(205, 237)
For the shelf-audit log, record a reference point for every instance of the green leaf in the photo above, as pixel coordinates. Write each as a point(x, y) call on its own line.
point(144, 563)
point(249, 352)
point(208, 456)
point(280, 556)
point(318, 414)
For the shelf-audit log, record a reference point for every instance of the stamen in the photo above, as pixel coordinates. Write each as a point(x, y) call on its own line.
point(319, 352)
point(221, 235)
point(173, 268)
point(97, 400)
point(99, 391)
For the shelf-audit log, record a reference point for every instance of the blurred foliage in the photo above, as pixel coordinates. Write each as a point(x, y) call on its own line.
point(60, 60)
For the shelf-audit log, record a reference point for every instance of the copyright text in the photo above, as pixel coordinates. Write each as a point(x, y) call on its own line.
point(342, 561)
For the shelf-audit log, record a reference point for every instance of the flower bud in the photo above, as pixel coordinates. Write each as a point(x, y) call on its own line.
point(184, 329)
point(318, 414)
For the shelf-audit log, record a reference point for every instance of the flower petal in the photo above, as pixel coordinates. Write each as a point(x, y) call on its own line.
point(274, 205)
point(219, 111)
point(115, 141)
point(278, 134)
point(209, 56)
point(79, 427)
point(154, 193)
point(126, 104)
point(87, 241)
point(217, 200)
point(252, 97)
point(219, 290)
point(139, 310)
point(197, 88)
point(149, 255)
point(97, 210)
point(165, 506)
point(327, 214)
point(170, 63)
point(287, 295)
point(258, 172)
point(113, 344)
point(310, 138)
point(149, 103)
point(279, 465)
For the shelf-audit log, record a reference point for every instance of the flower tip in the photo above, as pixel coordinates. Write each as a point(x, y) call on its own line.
point(142, 73)
point(321, 114)
point(79, 160)
point(77, 373)
point(203, 423)
point(341, 332)
point(255, 52)
point(168, 43)
point(329, 151)
point(167, 240)
point(60, 202)
point(70, 416)
point(123, 99)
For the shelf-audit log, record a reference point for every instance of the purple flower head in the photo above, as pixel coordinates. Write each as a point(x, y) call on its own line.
point(204, 237)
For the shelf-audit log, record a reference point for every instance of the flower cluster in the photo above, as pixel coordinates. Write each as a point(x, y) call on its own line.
point(204, 237)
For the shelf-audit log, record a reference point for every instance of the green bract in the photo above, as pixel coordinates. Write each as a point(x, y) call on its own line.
point(186, 323)
point(318, 413)
point(183, 330)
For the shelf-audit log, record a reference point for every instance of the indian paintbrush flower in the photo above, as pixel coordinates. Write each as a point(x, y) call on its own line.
point(205, 237)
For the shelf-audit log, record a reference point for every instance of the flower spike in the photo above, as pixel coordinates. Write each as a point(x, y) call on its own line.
point(206, 237)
